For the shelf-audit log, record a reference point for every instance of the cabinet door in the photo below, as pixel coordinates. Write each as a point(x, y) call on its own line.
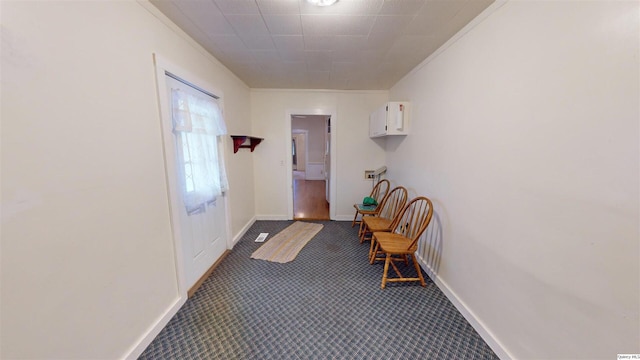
point(378, 122)
point(398, 118)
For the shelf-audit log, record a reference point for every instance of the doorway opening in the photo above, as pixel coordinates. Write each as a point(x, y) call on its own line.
point(311, 166)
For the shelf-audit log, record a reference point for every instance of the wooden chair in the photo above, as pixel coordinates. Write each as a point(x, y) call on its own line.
point(403, 241)
point(390, 210)
point(378, 192)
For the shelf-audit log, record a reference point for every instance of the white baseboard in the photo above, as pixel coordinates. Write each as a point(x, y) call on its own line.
point(312, 177)
point(243, 231)
point(476, 323)
point(136, 350)
point(282, 217)
point(272, 217)
point(344, 217)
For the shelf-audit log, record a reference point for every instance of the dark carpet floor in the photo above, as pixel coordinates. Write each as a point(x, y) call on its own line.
point(326, 304)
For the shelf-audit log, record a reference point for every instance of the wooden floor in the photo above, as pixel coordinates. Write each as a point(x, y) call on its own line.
point(309, 202)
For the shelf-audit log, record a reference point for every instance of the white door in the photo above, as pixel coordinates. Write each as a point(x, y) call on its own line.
point(301, 151)
point(203, 233)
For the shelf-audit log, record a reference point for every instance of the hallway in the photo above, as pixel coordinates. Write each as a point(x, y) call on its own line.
point(309, 202)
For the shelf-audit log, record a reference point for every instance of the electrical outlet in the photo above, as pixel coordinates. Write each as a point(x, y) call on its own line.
point(368, 174)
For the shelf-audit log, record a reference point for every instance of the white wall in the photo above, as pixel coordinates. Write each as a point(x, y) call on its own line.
point(87, 255)
point(355, 151)
point(525, 134)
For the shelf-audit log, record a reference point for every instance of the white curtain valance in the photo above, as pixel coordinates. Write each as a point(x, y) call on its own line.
point(197, 122)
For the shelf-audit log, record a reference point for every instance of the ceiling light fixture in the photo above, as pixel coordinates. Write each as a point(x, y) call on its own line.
point(322, 2)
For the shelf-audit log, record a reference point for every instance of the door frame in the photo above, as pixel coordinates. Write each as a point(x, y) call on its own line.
point(325, 111)
point(162, 66)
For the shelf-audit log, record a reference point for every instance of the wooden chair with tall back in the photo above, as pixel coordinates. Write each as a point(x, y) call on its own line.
point(390, 209)
point(403, 240)
point(379, 191)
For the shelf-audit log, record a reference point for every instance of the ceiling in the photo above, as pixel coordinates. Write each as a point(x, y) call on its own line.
point(352, 45)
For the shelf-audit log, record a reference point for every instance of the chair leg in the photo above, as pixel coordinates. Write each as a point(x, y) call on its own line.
point(373, 242)
point(415, 263)
point(361, 231)
point(375, 252)
point(384, 274)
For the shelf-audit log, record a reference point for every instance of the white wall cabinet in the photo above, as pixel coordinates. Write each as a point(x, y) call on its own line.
point(391, 118)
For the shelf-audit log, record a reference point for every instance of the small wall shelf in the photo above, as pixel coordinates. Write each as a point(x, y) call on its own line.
point(239, 140)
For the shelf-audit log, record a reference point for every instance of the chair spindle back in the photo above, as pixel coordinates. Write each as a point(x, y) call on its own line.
point(393, 203)
point(414, 219)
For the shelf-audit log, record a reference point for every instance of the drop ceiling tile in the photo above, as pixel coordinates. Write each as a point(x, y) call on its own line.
point(265, 55)
point(245, 69)
point(354, 24)
point(392, 71)
point(277, 82)
point(349, 42)
point(380, 41)
point(293, 55)
point(343, 7)
point(467, 13)
point(385, 37)
point(319, 79)
point(319, 25)
point(444, 9)
point(298, 81)
point(284, 70)
point(348, 56)
point(363, 57)
point(432, 16)
point(373, 55)
point(273, 69)
point(237, 7)
point(167, 7)
point(281, 7)
point(286, 43)
point(391, 24)
point(338, 82)
point(337, 24)
point(179, 18)
point(344, 69)
point(424, 25)
point(356, 44)
point(258, 42)
point(283, 24)
point(400, 7)
point(228, 43)
point(216, 25)
point(204, 41)
point(317, 64)
point(318, 42)
point(410, 43)
point(243, 56)
point(295, 66)
point(369, 82)
point(255, 82)
point(198, 10)
point(324, 56)
point(248, 24)
point(212, 49)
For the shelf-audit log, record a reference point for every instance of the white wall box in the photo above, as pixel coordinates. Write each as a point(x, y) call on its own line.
point(391, 118)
